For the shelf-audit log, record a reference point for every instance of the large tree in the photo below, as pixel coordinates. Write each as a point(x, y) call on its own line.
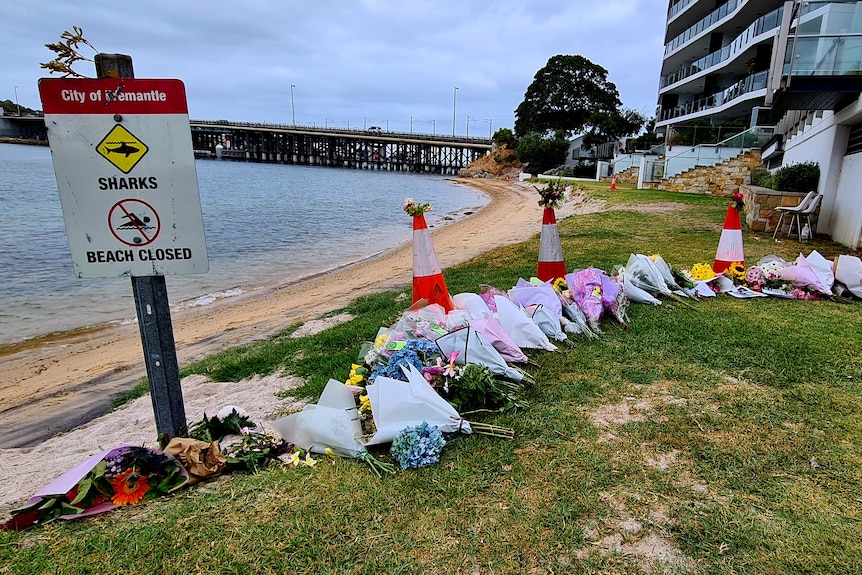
point(565, 95)
point(543, 153)
point(606, 127)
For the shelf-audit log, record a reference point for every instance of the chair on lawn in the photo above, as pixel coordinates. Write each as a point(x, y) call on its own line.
point(793, 211)
point(805, 213)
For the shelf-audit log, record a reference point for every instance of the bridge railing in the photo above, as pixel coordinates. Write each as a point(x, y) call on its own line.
point(346, 131)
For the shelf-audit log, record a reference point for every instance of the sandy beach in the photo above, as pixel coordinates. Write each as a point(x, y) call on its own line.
point(52, 386)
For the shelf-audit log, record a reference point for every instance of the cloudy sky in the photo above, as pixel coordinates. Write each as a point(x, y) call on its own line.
point(351, 62)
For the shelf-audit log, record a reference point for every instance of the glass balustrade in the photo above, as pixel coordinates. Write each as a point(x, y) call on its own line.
point(827, 56)
point(713, 17)
point(828, 40)
point(763, 24)
point(748, 84)
point(677, 8)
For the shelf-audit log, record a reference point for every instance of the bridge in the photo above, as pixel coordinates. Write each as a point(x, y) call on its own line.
point(374, 149)
point(334, 147)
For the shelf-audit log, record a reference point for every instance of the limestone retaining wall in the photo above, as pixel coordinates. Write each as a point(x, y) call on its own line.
point(723, 179)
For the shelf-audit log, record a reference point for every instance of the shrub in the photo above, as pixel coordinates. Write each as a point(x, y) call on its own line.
point(505, 137)
point(584, 170)
point(801, 178)
point(762, 178)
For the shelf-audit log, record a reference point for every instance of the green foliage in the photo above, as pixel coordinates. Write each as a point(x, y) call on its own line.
point(761, 177)
point(584, 169)
point(611, 126)
point(214, 428)
point(505, 137)
point(540, 153)
point(567, 94)
point(10, 108)
point(476, 388)
point(646, 140)
point(802, 178)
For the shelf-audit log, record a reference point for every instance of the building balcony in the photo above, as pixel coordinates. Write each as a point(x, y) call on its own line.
point(675, 9)
point(703, 24)
point(765, 25)
point(826, 74)
point(752, 86)
point(823, 64)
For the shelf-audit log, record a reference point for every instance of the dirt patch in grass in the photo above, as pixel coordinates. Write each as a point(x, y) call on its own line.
point(632, 538)
point(663, 461)
point(316, 326)
point(621, 413)
point(651, 208)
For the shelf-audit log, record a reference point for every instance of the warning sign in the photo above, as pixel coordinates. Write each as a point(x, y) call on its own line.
point(122, 149)
point(134, 222)
point(125, 168)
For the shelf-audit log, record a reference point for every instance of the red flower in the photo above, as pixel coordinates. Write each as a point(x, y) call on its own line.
point(129, 487)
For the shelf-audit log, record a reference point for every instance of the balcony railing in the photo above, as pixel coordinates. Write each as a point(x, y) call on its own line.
point(748, 84)
point(839, 55)
point(713, 154)
point(677, 8)
point(828, 40)
point(718, 14)
point(763, 24)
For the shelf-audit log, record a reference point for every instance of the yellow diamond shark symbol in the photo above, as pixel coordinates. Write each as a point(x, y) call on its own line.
point(122, 148)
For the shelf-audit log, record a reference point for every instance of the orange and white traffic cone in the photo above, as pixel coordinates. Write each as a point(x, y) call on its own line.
point(551, 263)
point(613, 182)
point(428, 282)
point(730, 244)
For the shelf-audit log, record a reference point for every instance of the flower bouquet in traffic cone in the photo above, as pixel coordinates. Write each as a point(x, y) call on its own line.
point(428, 282)
point(551, 262)
point(730, 250)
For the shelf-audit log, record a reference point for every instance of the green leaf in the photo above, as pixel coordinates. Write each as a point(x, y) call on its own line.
point(49, 502)
point(67, 509)
point(83, 490)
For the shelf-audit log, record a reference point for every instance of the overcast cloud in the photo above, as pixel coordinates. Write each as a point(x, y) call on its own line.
point(362, 62)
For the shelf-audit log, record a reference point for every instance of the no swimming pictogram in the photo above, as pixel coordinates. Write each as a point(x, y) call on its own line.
point(134, 222)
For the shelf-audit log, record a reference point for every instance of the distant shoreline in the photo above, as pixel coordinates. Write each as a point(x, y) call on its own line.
point(23, 141)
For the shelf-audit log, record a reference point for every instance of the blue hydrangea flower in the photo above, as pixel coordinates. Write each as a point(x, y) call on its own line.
point(416, 352)
point(418, 446)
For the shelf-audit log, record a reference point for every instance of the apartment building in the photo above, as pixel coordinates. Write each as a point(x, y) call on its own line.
point(795, 65)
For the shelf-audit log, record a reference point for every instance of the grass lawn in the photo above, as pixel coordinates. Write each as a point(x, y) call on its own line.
point(717, 440)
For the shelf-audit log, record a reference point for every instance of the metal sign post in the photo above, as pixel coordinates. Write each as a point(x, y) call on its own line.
point(125, 170)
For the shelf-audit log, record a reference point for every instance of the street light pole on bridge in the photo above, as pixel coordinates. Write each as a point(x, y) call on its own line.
point(292, 107)
point(454, 98)
point(469, 118)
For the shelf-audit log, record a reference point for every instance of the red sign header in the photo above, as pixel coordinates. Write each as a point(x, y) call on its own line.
point(112, 96)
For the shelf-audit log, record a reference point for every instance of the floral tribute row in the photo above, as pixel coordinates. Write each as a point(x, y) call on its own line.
point(423, 381)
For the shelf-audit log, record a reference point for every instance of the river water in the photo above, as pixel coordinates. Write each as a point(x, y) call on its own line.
point(264, 224)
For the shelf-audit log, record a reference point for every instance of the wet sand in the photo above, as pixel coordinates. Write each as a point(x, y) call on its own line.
point(53, 385)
